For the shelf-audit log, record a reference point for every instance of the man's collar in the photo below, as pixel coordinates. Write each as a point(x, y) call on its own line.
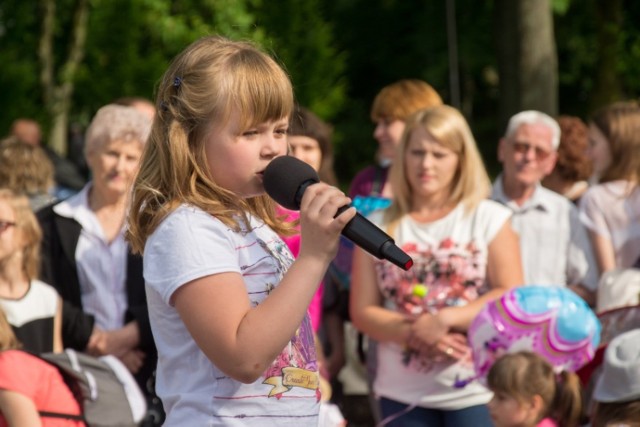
point(536, 201)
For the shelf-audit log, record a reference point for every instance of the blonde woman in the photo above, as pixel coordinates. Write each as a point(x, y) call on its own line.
point(465, 254)
point(611, 209)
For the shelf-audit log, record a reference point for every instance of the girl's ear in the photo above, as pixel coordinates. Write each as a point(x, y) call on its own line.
point(537, 404)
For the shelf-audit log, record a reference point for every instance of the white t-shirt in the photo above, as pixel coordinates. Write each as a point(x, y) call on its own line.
point(32, 316)
point(450, 259)
point(190, 244)
point(613, 212)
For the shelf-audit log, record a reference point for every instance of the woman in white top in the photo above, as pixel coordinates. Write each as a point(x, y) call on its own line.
point(465, 254)
point(86, 257)
point(611, 209)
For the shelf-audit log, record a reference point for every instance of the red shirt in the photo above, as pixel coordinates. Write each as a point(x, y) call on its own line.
point(41, 382)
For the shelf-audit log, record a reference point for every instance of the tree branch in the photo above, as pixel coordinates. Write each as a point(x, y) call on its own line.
point(45, 51)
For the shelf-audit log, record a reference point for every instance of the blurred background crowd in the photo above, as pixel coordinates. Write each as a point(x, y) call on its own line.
point(537, 100)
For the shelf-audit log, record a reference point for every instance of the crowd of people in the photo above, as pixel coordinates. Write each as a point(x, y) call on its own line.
point(162, 249)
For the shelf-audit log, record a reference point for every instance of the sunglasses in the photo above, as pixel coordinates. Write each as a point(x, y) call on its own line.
point(6, 224)
point(523, 148)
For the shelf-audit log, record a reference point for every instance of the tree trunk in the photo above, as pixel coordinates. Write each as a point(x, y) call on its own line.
point(527, 57)
point(58, 92)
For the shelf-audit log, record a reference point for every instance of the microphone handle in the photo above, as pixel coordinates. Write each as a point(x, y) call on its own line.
point(377, 242)
point(366, 235)
point(360, 226)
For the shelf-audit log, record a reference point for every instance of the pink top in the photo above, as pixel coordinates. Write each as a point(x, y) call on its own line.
point(547, 422)
point(293, 242)
point(42, 383)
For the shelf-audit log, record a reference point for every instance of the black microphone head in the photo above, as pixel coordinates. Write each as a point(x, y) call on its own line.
point(284, 176)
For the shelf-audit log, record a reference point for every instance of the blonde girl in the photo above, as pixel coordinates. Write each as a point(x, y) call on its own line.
point(227, 302)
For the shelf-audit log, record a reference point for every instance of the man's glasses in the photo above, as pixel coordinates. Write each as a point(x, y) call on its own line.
point(6, 224)
point(523, 148)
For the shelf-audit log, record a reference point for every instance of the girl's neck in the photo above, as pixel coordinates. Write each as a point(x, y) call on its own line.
point(14, 283)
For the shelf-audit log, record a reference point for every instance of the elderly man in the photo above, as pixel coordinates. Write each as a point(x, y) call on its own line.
point(555, 247)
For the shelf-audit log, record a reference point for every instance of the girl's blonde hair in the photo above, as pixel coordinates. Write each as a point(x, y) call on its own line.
point(27, 225)
point(525, 374)
point(8, 340)
point(620, 124)
point(447, 125)
point(204, 84)
point(25, 168)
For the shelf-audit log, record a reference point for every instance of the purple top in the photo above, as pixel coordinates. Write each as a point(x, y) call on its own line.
point(369, 181)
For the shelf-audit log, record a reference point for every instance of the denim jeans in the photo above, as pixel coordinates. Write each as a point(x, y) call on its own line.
point(474, 416)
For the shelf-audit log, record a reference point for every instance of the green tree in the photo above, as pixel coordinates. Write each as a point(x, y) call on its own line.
point(58, 82)
point(132, 41)
point(303, 42)
point(128, 45)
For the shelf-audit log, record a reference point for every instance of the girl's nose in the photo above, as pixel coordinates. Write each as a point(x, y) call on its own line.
point(272, 146)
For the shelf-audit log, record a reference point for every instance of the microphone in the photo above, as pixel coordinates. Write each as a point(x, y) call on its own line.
point(285, 180)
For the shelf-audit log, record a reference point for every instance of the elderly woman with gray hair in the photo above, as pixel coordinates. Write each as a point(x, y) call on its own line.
point(84, 253)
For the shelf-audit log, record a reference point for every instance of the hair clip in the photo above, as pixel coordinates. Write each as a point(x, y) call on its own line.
point(177, 82)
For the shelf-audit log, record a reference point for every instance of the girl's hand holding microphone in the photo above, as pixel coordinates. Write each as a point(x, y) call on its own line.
point(320, 227)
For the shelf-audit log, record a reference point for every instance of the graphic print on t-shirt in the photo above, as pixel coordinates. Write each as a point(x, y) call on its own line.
point(296, 366)
point(446, 274)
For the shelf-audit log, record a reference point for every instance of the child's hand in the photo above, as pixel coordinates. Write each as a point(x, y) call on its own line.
point(320, 231)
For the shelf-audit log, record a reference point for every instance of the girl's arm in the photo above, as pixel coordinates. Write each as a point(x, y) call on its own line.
point(365, 304)
point(603, 251)
point(57, 328)
point(243, 340)
point(18, 410)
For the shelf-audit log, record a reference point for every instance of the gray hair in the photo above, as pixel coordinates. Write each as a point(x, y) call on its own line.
point(532, 117)
point(116, 122)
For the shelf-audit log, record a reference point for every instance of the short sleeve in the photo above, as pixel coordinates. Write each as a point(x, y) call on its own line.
point(591, 213)
point(187, 245)
point(581, 262)
point(491, 217)
point(17, 371)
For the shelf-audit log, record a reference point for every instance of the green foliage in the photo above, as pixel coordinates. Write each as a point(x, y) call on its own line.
point(389, 40)
point(135, 40)
point(339, 55)
point(19, 79)
point(298, 35)
point(560, 7)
